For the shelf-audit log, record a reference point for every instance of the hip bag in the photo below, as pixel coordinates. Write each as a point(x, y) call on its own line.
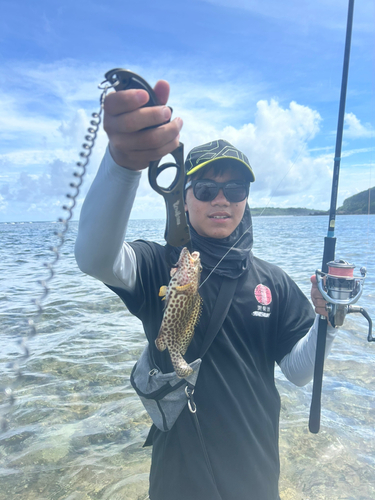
point(164, 395)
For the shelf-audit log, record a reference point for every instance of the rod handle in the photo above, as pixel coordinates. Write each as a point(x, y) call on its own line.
point(315, 408)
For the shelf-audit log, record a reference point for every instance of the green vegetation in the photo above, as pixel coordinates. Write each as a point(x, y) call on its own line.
point(356, 204)
point(286, 211)
point(359, 203)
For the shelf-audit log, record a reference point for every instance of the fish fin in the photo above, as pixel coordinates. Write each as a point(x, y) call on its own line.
point(185, 345)
point(163, 291)
point(182, 288)
point(189, 334)
point(160, 342)
point(180, 366)
point(173, 271)
point(194, 316)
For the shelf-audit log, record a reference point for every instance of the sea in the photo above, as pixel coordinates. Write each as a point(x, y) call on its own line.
point(75, 428)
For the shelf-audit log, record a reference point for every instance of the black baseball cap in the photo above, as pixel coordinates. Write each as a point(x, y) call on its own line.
point(203, 155)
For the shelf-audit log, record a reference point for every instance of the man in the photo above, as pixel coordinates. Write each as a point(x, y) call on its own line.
point(269, 319)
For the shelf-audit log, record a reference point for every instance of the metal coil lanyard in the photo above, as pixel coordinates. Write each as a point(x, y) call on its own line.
point(176, 232)
point(56, 250)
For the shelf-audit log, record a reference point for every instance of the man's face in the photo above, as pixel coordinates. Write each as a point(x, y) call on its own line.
point(217, 218)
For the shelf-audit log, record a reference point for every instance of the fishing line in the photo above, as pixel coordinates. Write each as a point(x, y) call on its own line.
point(226, 253)
point(372, 163)
point(368, 220)
point(264, 209)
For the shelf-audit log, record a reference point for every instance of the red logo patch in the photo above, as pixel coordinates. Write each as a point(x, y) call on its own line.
point(263, 295)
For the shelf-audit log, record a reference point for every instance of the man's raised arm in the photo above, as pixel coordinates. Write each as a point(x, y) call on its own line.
point(100, 249)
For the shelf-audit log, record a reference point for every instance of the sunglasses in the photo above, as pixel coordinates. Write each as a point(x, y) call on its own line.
point(207, 190)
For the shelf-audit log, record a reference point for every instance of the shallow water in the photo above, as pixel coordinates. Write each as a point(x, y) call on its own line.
point(77, 428)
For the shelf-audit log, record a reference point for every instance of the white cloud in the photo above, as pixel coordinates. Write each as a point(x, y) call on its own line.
point(355, 129)
point(40, 148)
point(26, 158)
point(36, 112)
point(16, 123)
point(276, 144)
point(351, 152)
point(38, 164)
point(3, 204)
point(30, 188)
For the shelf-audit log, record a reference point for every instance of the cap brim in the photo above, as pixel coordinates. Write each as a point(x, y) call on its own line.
point(201, 165)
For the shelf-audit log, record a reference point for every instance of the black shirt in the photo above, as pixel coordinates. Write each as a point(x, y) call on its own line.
point(237, 401)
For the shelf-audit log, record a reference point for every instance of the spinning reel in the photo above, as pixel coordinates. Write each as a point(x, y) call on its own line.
point(341, 289)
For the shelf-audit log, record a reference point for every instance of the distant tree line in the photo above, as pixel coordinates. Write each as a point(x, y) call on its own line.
point(361, 203)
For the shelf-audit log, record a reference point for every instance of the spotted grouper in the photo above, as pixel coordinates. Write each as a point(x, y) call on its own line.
point(182, 310)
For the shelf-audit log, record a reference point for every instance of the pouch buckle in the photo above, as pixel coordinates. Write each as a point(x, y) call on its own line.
point(189, 391)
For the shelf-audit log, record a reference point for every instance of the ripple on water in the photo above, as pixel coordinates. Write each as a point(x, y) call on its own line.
point(77, 428)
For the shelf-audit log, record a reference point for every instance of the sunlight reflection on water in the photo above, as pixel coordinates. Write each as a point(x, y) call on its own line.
point(77, 428)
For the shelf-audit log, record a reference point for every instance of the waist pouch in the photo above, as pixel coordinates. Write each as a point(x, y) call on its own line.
point(163, 394)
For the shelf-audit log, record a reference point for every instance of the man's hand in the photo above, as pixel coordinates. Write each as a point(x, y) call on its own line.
point(316, 297)
point(124, 121)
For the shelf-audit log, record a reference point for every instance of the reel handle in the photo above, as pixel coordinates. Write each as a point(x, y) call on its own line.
point(360, 310)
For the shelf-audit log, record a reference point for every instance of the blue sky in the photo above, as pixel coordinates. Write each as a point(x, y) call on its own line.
point(263, 74)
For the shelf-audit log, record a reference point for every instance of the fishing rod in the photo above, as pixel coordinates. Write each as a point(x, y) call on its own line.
point(336, 281)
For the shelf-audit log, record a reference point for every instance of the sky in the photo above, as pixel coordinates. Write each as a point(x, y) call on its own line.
point(265, 75)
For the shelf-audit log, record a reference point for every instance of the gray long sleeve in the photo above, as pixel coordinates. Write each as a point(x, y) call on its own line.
point(298, 365)
point(100, 249)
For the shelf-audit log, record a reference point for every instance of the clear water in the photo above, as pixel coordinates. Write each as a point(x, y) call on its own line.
point(77, 428)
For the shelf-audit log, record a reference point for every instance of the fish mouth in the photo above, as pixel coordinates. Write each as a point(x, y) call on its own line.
point(194, 256)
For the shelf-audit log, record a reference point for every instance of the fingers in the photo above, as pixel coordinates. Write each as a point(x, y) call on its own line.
point(133, 144)
point(125, 101)
point(161, 89)
point(317, 298)
point(151, 139)
point(136, 154)
point(320, 305)
point(138, 119)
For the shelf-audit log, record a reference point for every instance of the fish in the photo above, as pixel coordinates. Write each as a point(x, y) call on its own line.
point(182, 311)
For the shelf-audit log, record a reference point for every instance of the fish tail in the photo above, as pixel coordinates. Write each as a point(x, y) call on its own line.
point(160, 341)
point(180, 366)
point(184, 371)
